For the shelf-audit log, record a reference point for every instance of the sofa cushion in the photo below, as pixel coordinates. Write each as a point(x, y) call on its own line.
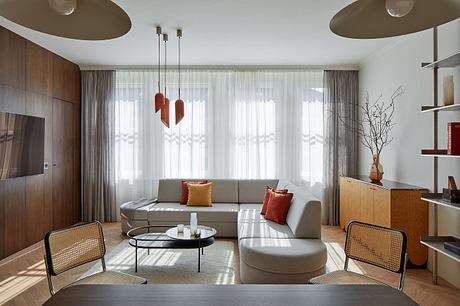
point(283, 256)
point(250, 212)
point(224, 191)
point(253, 191)
point(169, 190)
point(250, 206)
point(263, 229)
point(176, 213)
point(137, 209)
point(304, 216)
point(143, 212)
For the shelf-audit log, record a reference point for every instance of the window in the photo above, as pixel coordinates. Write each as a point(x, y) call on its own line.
point(237, 124)
point(255, 136)
point(185, 144)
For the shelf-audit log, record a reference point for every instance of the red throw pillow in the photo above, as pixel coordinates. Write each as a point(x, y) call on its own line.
point(184, 194)
point(278, 206)
point(267, 195)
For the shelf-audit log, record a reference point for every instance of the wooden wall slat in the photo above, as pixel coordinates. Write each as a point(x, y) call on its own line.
point(12, 59)
point(14, 214)
point(34, 217)
point(66, 80)
point(39, 70)
point(39, 187)
point(63, 163)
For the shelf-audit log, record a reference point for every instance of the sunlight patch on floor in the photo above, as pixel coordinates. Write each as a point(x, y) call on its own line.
point(124, 259)
point(23, 280)
point(165, 258)
point(227, 277)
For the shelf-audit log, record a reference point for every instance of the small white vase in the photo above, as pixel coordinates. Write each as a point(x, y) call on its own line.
point(193, 223)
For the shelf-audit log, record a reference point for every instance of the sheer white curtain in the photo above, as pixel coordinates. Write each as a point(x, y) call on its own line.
point(237, 124)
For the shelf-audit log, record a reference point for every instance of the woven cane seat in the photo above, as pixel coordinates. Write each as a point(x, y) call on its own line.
point(344, 278)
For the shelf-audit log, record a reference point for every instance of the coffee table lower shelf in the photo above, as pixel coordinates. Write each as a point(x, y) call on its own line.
point(150, 241)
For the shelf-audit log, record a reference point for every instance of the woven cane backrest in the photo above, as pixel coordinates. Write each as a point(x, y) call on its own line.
point(376, 245)
point(74, 246)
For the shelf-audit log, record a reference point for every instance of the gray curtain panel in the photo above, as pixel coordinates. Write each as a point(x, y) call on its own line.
point(98, 161)
point(340, 111)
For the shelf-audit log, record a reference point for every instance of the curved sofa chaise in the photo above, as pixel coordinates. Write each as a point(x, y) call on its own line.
point(269, 252)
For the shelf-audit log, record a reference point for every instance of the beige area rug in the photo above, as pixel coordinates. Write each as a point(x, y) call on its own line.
point(175, 266)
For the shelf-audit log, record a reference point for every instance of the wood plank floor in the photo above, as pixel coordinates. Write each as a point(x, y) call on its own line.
point(23, 277)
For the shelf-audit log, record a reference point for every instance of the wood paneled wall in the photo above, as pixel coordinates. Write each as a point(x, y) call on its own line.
point(34, 81)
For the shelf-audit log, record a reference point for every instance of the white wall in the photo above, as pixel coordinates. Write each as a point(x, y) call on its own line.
point(381, 73)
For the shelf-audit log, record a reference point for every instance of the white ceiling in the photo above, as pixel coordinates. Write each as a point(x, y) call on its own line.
point(220, 32)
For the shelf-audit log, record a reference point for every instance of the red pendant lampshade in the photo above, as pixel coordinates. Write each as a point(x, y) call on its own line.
point(179, 110)
point(159, 101)
point(165, 112)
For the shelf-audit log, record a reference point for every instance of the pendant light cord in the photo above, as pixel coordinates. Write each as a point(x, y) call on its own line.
point(165, 40)
point(178, 68)
point(159, 61)
point(159, 58)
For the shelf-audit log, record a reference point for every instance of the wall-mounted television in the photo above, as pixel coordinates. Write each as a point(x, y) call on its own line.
point(22, 145)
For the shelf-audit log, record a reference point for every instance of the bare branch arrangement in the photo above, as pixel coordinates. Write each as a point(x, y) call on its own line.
point(374, 125)
point(376, 122)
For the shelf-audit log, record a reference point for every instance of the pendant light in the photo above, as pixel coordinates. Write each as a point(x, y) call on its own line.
point(387, 18)
point(82, 19)
point(165, 106)
point(159, 97)
point(179, 105)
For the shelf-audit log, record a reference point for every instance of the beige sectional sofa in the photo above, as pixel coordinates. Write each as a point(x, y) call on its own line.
point(269, 252)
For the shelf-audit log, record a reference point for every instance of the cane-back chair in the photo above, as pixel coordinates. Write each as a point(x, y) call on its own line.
point(74, 246)
point(376, 245)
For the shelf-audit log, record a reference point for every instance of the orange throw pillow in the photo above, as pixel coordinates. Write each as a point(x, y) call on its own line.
point(278, 206)
point(267, 195)
point(199, 194)
point(184, 194)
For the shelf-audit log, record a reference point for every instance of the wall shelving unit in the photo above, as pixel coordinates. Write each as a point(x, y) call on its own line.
point(435, 242)
point(448, 108)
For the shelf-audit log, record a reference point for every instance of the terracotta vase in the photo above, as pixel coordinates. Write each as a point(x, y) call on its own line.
point(376, 170)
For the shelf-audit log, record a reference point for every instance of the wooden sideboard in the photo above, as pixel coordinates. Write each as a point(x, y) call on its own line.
point(389, 204)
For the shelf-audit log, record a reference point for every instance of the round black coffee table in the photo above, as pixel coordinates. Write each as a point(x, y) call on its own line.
point(170, 240)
